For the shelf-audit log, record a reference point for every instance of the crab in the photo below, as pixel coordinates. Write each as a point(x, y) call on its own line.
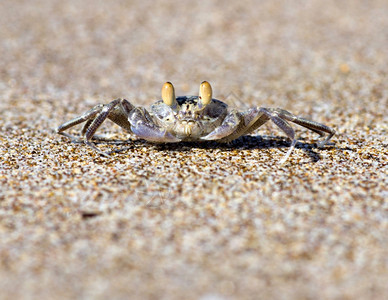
point(189, 118)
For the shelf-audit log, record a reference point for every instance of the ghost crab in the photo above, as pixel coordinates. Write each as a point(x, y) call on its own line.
point(188, 118)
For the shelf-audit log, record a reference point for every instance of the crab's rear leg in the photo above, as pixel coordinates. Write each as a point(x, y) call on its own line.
point(237, 124)
point(256, 117)
point(319, 128)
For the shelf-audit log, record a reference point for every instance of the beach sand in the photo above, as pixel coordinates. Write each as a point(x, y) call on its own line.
point(194, 221)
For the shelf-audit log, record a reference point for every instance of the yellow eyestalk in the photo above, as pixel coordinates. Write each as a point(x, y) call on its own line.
point(205, 94)
point(168, 95)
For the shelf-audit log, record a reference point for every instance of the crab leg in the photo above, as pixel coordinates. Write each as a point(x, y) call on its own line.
point(100, 118)
point(117, 111)
point(284, 126)
point(256, 117)
point(253, 119)
point(311, 125)
point(88, 117)
point(90, 128)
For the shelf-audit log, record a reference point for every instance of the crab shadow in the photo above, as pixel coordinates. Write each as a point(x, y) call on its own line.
point(242, 143)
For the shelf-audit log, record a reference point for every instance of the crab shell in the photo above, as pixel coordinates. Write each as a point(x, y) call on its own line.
point(188, 121)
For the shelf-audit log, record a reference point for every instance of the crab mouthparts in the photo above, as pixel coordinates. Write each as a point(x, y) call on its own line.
point(188, 126)
point(188, 130)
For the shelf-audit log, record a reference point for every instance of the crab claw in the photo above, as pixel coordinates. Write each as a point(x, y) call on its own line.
point(205, 94)
point(168, 95)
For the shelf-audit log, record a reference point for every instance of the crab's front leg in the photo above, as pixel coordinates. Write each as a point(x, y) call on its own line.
point(256, 117)
point(117, 111)
point(144, 126)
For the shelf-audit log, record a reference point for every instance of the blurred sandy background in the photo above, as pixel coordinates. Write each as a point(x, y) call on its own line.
point(204, 222)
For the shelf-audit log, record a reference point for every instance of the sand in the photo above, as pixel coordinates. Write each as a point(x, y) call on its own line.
point(194, 221)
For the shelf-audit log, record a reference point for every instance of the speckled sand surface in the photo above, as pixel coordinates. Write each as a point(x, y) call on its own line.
point(194, 221)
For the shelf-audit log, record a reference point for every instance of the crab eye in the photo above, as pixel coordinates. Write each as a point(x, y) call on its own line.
point(168, 95)
point(205, 94)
